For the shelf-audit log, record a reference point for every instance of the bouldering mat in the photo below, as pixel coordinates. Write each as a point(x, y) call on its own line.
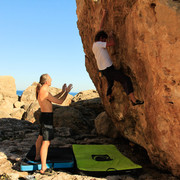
point(57, 158)
point(102, 160)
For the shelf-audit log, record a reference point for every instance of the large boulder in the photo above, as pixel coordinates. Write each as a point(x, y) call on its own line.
point(18, 104)
point(29, 94)
point(4, 114)
point(17, 113)
point(147, 49)
point(7, 95)
point(104, 126)
point(89, 104)
point(86, 95)
point(8, 88)
point(30, 115)
point(6, 106)
point(72, 118)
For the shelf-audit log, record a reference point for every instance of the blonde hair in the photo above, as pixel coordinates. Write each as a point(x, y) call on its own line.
point(43, 80)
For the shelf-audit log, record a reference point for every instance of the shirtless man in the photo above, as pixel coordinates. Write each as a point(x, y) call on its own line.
point(45, 100)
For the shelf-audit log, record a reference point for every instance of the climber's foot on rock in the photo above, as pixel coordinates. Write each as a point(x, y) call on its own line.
point(137, 102)
point(111, 98)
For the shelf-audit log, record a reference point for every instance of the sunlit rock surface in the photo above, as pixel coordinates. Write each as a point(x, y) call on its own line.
point(147, 48)
point(8, 89)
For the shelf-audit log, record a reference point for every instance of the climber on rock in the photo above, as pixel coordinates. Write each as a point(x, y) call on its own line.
point(106, 67)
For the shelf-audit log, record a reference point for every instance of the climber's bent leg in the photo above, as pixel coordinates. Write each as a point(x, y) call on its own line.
point(110, 85)
point(112, 75)
point(125, 81)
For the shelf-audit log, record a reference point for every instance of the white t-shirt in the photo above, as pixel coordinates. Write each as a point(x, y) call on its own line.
point(101, 54)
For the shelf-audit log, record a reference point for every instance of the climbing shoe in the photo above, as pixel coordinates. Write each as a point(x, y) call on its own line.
point(111, 99)
point(138, 102)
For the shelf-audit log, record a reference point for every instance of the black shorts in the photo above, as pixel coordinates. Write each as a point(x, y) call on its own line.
point(46, 129)
point(112, 75)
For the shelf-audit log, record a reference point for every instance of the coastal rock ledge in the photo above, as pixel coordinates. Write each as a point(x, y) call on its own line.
point(147, 48)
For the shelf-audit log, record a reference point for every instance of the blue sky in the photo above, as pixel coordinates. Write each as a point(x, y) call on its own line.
point(41, 36)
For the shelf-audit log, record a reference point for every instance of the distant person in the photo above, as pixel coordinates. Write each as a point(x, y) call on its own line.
point(106, 67)
point(46, 134)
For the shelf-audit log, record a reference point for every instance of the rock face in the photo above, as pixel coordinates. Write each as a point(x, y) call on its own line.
point(7, 95)
point(8, 88)
point(104, 126)
point(86, 95)
point(147, 48)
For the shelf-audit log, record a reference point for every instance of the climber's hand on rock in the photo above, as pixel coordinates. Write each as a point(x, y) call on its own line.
point(111, 34)
point(104, 12)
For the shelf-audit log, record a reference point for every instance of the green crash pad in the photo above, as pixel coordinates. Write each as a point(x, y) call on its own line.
point(102, 158)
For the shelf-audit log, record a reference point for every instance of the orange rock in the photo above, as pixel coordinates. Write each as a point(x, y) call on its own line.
point(147, 48)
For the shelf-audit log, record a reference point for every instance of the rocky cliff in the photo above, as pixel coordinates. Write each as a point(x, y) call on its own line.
point(147, 48)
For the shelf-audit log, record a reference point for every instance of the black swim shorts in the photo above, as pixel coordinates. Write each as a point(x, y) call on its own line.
point(46, 129)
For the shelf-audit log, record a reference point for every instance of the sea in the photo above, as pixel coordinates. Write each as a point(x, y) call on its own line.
point(19, 93)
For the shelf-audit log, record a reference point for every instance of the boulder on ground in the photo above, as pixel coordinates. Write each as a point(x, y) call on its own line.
point(29, 95)
point(4, 115)
point(29, 115)
point(85, 95)
point(6, 106)
point(147, 36)
point(104, 126)
point(18, 104)
point(18, 113)
point(70, 117)
point(8, 88)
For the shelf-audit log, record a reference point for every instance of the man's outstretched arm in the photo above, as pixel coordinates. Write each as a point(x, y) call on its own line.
point(68, 89)
point(102, 20)
point(111, 40)
point(62, 98)
point(62, 92)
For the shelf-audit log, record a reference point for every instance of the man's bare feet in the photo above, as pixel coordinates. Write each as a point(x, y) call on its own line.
point(42, 171)
point(48, 172)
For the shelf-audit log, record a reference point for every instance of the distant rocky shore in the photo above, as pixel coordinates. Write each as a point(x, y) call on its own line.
point(80, 120)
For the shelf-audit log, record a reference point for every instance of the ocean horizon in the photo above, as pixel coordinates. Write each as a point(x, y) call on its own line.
point(19, 93)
